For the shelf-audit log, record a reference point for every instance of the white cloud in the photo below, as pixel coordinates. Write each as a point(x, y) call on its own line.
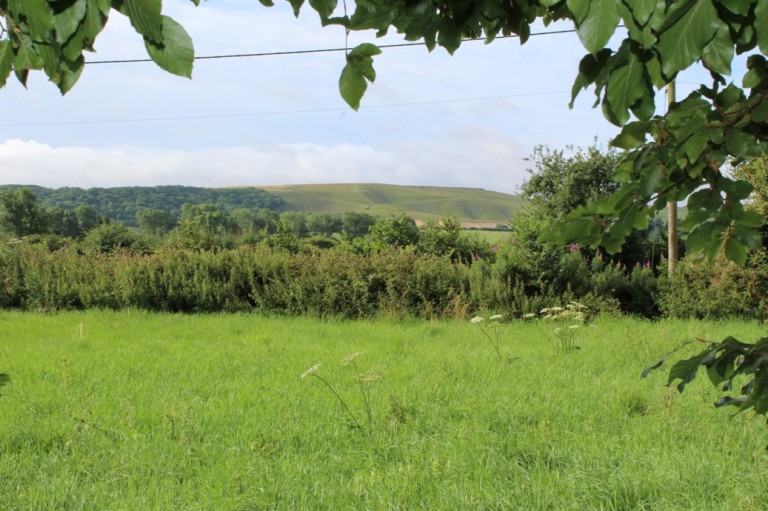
point(35, 163)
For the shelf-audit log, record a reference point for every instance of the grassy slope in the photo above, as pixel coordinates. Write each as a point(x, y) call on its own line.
point(420, 202)
point(127, 411)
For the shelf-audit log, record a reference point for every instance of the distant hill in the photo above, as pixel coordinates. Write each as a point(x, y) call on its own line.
point(470, 205)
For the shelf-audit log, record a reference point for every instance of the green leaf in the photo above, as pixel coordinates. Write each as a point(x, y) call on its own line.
point(735, 251)
point(625, 86)
point(632, 135)
point(706, 237)
point(681, 43)
point(359, 68)
point(39, 17)
point(579, 9)
point(365, 19)
point(94, 21)
point(740, 7)
point(742, 144)
point(49, 57)
point(750, 219)
point(67, 74)
point(718, 54)
point(352, 85)
point(68, 20)
point(729, 400)
point(685, 370)
point(323, 7)
point(760, 112)
point(591, 70)
point(449, 37)
point(146, 18)
point(663, 359)
point(748, 236)
point(761, 25)
point(642, 10)
point(26, 57)
point(6, 61)
point(365, 50)
point(296, 5)
point(177, 54)
point(596, 29)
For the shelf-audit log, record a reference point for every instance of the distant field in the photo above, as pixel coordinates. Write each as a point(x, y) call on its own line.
point(492, 237)
point(135, 411)
point(420, 202)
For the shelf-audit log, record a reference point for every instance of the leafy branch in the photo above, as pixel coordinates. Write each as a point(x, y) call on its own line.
point(725, 362)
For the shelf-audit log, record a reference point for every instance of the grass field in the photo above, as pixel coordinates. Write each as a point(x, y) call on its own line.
point(137, 411)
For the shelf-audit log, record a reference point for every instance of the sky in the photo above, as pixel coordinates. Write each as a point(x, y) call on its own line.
point(430, 119)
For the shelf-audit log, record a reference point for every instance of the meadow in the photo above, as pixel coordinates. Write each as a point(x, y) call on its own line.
point(139, 411)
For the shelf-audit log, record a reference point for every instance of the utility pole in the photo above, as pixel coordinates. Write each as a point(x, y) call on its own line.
point(671, 207)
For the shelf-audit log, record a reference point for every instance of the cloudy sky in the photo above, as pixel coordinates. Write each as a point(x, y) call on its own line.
point(430, 119)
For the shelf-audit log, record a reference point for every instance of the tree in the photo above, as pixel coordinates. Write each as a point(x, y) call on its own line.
point(296, 221)
point(448, 238)
point(399, 231)
point(155, 222)
point(63, 222)
point(20, 213)
point(109, 237)
point(564, 180)
point(356, 224)
point(324, 224)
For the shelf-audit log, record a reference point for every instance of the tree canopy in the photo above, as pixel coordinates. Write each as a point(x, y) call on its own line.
point(633, 48)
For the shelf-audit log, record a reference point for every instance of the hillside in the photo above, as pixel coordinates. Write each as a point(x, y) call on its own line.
point(419, 202)
point(473, 206)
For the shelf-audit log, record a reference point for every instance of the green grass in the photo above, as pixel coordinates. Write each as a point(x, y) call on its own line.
point(492, 237)
point(419, 202)
point(126, 411)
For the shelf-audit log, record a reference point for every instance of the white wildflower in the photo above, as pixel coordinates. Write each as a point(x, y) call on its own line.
point(529, 315)
point(476, 320)
point(496, 317)
point(573, 327)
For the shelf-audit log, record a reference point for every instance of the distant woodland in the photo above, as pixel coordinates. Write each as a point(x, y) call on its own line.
point(123, 203)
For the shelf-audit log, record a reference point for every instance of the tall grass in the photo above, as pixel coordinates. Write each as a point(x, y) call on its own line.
point(133, 410)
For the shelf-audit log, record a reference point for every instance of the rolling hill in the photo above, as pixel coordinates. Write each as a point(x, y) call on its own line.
point(470, 205)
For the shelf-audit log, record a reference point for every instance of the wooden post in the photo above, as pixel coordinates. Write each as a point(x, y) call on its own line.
point(671, 207)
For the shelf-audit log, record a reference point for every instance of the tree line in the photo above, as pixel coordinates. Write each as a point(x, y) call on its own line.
point(123, 203)
point(448, 270)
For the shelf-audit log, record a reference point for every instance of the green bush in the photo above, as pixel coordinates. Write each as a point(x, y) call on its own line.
point(717, 290)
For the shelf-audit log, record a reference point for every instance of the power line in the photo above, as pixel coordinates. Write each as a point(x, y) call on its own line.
point(274, 112)
point(285, 112)
point(319, 50)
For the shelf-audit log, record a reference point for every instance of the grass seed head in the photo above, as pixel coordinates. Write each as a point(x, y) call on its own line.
point(309, 372)
point(350, 358)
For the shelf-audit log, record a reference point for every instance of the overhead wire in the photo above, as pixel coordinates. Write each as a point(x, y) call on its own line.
point(276, 112)
point(317, 50)
point(286, 112)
